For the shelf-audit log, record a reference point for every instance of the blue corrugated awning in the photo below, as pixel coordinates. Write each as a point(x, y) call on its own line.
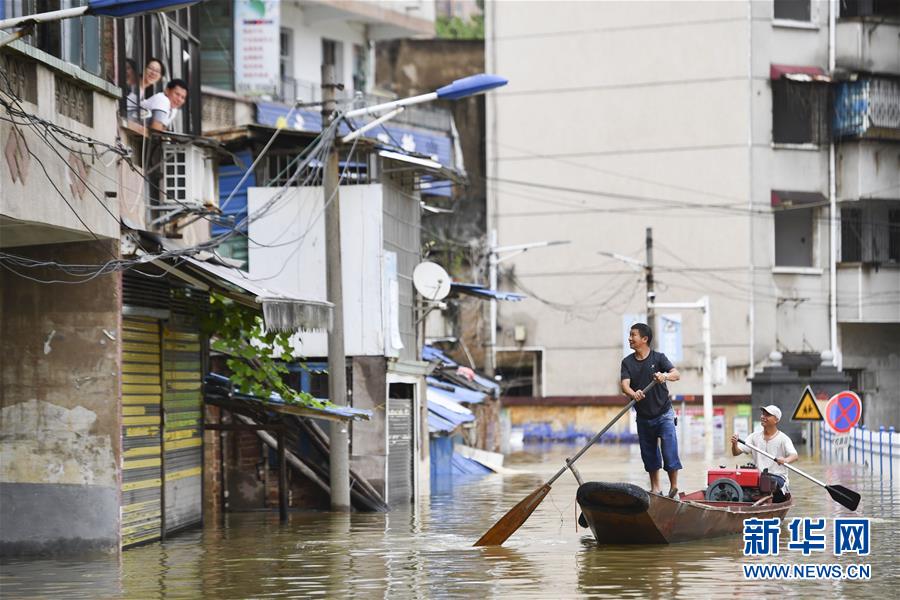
point(221, 385)
point(473, 289)
point(445, 415)
point(454, 392)
point(432, 354)
point(466, 466)
point(438, 424)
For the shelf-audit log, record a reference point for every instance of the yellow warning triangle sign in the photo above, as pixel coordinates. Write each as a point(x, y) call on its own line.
point(807, 409)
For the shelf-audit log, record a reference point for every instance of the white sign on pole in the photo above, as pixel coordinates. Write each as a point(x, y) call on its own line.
point(668, 332)
point(257, 45)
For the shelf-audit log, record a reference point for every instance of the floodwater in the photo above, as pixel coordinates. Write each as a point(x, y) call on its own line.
point(428, 553)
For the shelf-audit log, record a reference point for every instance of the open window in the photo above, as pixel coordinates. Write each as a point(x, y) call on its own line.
point(799, 112)
point(795, 215)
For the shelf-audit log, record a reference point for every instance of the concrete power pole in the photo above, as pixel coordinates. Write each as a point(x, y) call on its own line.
point(339, 460)
point(651, 295)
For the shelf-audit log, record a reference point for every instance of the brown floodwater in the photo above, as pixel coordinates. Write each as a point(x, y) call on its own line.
point(428, 553)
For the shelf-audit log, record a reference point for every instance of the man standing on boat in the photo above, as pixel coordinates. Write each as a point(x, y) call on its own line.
point(776, 443)
point(655, 415)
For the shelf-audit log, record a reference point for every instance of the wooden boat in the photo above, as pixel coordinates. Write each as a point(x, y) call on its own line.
point(622, 513)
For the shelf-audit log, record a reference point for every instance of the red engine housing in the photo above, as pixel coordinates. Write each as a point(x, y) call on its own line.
point(746, 478)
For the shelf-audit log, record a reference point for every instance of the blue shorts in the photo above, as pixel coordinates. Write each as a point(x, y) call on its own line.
point(657, 433)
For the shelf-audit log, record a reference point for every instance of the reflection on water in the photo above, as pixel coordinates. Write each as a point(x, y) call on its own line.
point(428, 553)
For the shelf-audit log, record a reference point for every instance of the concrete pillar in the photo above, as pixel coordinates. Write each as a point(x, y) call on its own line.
point(60, 424)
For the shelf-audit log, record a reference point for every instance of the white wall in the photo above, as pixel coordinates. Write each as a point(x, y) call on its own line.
point(651, 107)
point(299, 267)
point(308, 45)
point(35, 201)
point(651, 119)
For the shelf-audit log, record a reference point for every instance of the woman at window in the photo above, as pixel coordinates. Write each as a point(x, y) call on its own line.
point(154, 71)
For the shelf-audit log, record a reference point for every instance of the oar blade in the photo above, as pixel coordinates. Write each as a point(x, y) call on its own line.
point(512, 520)
point(844, 496)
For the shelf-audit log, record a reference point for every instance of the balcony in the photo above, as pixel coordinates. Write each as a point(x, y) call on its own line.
point(867, 108)
point(867, 46)
point(383, 19)
point(866, 294)
point(867, 169)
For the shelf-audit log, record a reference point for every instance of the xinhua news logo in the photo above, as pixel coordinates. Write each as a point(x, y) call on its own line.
point(762, 537)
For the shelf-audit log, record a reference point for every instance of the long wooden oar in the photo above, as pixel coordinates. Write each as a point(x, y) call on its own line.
point(840, 494)
point(518, 514)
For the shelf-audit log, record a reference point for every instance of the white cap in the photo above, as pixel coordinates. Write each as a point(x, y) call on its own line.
point(772, 410)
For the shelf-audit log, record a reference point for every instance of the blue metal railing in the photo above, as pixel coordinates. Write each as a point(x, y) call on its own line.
point(875, 448)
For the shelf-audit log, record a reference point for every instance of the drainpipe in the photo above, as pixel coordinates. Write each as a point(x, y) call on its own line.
point(751, 313)
point(832, 202)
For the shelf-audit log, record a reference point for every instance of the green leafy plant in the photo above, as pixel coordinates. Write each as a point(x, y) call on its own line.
point(454, 28)
point(256, 357)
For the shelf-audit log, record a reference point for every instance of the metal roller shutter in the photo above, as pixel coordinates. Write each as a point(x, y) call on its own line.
point(400, 437)
point(182, 438)
point(141, 452)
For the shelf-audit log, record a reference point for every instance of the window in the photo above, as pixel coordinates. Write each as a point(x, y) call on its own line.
point(793, 10)
point(851, 235)
point(286, 56)
point(360, 68)
point(894, 236)
point(332, 54)
point(794, 237)
point(870, 232)
point(869, 8)
point(173, 41)
point(286, 65)
point(76, 41)
point(799, 112)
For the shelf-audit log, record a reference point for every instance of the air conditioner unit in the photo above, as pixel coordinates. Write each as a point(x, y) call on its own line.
point(188, 177)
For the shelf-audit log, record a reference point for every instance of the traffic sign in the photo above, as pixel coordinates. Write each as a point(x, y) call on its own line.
point(843, 411)
point(807, 409)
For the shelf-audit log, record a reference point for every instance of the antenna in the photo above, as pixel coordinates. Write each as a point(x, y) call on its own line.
point(431, 281)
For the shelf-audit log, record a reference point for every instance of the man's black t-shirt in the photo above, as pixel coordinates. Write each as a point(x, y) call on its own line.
point(640, 372)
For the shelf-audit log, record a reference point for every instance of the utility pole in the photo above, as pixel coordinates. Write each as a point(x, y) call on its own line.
point(339, 460)
point(490, 367)
point(651, 295)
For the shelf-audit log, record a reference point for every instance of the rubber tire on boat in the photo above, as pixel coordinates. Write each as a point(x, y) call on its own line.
point(720, 487)
point(622, 498)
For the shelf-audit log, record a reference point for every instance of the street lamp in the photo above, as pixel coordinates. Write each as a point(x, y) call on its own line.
point(494, 258)
point(96, 8)
point(339, 464)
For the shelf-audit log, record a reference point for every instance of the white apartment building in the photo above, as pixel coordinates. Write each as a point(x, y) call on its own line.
point(714, 124)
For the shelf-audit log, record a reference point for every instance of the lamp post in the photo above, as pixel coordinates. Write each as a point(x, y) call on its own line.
point(494, 259)
point(703, 305)
point(339, 463)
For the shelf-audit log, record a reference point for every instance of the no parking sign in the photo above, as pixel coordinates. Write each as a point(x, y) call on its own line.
point(843, 411)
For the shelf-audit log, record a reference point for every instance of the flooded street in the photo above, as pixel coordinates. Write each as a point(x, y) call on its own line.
point(428, 553)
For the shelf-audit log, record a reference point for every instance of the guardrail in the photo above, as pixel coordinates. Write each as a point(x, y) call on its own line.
point(876, 448)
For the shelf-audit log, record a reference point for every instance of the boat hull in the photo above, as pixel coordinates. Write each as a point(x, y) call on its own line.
point(621, 513)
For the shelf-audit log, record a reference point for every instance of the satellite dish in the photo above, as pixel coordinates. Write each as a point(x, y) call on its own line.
point(431, 281)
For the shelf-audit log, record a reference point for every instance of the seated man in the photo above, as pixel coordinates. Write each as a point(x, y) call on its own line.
point(776, 443)
point(163, 106)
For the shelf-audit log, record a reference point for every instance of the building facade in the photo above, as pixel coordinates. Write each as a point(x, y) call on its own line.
point(724, 127)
